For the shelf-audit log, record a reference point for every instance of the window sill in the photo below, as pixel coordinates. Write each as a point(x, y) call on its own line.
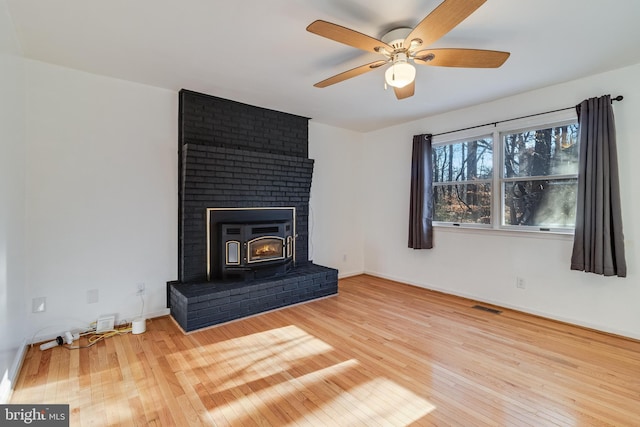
point(529, 234)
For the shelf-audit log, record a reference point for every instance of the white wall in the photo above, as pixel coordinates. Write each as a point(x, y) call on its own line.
point(335, 220)
point(483, 264)
point(13, 316)
point(101, 185)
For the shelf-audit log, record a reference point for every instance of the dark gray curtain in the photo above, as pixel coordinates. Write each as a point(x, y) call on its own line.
point(421, 205)
point(598, 245)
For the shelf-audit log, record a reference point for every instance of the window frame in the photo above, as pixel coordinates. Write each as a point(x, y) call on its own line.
point(496, 131)
point(504, 180)
point(490, 181)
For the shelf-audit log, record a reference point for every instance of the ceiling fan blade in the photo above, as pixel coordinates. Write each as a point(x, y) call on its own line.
point(347, 36)
point(350, 73)
point(405, 92)
point(442, 20)
point(466, 58)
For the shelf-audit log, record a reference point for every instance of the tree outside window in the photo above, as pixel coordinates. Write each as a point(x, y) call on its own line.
point(462, 180)
point(540, 177)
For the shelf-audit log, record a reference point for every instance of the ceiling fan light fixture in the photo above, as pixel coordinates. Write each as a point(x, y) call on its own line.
point(400, 73)
point(403, 47)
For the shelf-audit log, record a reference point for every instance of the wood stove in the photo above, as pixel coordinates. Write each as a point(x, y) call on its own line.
point(255, 249)
point(250, 243)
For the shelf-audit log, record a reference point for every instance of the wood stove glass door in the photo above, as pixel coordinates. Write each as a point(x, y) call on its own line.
point(266, 248)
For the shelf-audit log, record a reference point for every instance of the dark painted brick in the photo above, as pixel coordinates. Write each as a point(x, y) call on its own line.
point(236, 155)
point(249, 297)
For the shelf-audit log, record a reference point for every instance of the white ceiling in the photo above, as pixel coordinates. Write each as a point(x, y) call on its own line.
point(258, 51)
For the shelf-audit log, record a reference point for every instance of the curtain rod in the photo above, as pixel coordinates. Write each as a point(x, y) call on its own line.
point(617, 98)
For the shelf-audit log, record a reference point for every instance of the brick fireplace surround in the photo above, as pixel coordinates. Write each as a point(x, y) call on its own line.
point(233, 155)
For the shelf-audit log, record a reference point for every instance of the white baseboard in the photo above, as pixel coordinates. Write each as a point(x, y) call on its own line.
point(159, 313)
point(9, 378)
point(119, 319)
point(349, 274)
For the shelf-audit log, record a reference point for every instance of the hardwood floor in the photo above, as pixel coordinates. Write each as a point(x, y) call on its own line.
point(379, 353)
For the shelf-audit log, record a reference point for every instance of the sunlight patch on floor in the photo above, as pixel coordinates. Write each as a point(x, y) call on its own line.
point(288, 389)
point(389, 402)
point(297, 365)
point(255, 356)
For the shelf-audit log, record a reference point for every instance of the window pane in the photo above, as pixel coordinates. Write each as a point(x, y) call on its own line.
point(462, 203)
point(541, 152)
point(463, 161)
point(542, 203)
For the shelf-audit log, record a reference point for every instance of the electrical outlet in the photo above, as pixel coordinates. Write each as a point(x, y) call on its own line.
point(39, 305)
point(105, 324)
point(520, 283)
point(141, 288)
point(92, 296)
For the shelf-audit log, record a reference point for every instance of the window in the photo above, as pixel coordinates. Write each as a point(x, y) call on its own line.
point(462, 181)
point(540, 177)
point(529, 184)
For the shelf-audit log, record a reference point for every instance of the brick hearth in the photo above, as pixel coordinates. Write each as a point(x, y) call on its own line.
point(198, 305)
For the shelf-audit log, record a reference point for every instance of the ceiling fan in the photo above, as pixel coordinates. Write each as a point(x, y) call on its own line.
point(402, 45)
